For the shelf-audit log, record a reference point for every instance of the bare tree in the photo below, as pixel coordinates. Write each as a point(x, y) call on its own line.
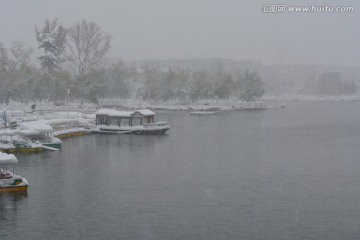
point(20, 54)
point(87, 46)
point(15, 71)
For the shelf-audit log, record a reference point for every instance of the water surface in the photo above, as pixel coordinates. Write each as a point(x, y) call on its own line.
point(276, 174)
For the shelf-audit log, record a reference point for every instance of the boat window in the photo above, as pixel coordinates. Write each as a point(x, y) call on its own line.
point(124, 122)
point(101, 119)
point(114, 121)
point(136, 121)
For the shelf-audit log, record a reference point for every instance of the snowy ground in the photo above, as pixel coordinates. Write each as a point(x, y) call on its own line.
point(203, 105)
point(312, 97)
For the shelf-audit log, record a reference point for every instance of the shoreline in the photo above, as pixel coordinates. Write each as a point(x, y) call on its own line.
point(16, 108)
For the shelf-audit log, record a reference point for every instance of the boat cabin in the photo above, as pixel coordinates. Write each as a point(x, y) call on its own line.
point(10, 181)
point(7, 161)
point(36, 131)
point(124, 118)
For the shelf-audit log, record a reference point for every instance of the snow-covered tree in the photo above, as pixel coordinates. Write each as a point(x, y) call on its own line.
point(200, 86)
point(118, 80)
point(223, 86)
point(151, 87)
point(250, 86)
point(20, 55)
point(52, 39)
point(15, 71)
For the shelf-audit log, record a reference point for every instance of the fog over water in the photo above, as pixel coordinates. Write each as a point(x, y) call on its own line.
point(198, 29)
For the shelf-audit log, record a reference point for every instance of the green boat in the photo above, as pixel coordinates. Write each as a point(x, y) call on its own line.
point(39, 132)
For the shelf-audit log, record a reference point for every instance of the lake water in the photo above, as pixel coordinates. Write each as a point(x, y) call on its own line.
point(278, 174)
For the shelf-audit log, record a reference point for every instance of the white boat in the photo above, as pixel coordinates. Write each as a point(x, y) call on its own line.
point(132, 122)
point(40, 132)
point(9, 181)
point(203, 113)
point(12, 141)
point(6, 144)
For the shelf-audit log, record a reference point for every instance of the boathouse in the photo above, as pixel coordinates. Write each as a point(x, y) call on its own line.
point(124, 118)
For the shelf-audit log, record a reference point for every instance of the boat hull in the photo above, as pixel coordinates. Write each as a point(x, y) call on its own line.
point(30, 150)
point(13, 184)
point(8, 150)
point(71, 134)
point(13, 189)
point(136, 132)
point(150, 132)
point(53, 145)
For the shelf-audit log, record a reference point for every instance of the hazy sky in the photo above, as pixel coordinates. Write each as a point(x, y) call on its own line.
point(233, 29)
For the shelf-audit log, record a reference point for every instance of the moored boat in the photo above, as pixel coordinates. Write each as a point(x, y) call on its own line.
point(6, 144)
point(7, 147)
point(41, 132)
point(203, 113)
point(131, 122)
point(12, 141)
point(10, 181)
point(23, 145)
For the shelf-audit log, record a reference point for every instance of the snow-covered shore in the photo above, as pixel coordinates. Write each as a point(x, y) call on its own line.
point(67, 118)
point(24, 112)
point(301, 97)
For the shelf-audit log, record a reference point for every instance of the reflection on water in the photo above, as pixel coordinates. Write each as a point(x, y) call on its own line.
point(140, 143)
point(131, 142)
point(9, 203)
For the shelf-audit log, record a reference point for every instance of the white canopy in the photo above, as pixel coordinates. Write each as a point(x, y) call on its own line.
point(28, 132)
point(39, 126)
point(9, 132)
point(7, 158)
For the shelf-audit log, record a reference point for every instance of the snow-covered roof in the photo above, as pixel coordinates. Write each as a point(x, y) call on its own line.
point(40, 126)
point(7, 158)
point(9, 132)
point(116, 113)
point(145, 112)
point(27, 132)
